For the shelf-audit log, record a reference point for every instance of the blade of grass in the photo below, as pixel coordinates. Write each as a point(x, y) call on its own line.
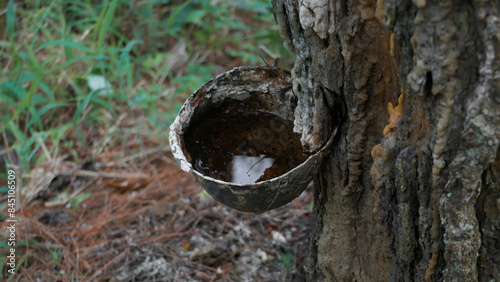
point(106, 23)
point(32, 59)
point(43, 110)
point(173, 16)
point(124, 62)
point(104, 104)
point(58, 133)
point(11, 17)
point(40, 24)
point(125, 53)
point(98, 23)
point(9, 100)
point(47, 91)
point(19, 59)
point(74, 60)
point(68, 52)
point(26, 102)
point(82, 105)
point(18, 134)
point(16, 89)
point(65, 44)
point(34, 140)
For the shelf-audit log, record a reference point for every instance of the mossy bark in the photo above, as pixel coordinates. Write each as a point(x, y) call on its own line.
point(411, 189)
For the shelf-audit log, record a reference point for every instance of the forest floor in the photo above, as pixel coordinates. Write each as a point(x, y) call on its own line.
point(144, 219)
point(88, 90)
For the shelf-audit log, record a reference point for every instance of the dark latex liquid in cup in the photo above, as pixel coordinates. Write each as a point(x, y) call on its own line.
point(234, 145)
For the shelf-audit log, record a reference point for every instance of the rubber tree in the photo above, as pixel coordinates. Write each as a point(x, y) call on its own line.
point(411, 190)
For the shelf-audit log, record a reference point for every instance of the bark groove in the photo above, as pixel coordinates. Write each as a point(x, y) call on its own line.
point(410, 191)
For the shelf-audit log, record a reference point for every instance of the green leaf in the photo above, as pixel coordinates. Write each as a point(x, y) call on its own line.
point(11, 17)
point(74, 60)
point(43, 110)
point(124, 56)
point(10, 101)
point(175, 13)
point(26, 102)
point(70, 200)
point(101, 16)
point(47, 91)
point(75, 45)
point(82, 198)
point(16, 131)
point(40, 23)
point(31, 241)
point(106, 23)
point(102, 103)
point(82, 105)
point(195, 16)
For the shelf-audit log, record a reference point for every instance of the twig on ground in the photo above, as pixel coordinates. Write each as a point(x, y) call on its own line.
point(96, 174)
point(111, 262)
point(145, 153)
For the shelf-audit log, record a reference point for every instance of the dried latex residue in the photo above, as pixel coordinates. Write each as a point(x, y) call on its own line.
point(395, 113)
point(377, 151)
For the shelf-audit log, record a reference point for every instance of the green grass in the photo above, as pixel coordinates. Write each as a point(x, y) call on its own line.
point(73, 67)
point(121, 69)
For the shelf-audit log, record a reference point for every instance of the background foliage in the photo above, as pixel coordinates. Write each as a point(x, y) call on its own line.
point(76, 67)
point(93, 86)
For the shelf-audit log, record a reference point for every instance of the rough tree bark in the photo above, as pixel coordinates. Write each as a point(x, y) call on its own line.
point(411, 190)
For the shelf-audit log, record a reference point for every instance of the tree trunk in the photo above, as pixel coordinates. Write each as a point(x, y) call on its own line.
point(411, 189)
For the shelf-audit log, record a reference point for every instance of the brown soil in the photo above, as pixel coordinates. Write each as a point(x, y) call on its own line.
point(153, 224)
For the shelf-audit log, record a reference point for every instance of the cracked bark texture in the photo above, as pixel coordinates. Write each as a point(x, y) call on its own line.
point(411, 189)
